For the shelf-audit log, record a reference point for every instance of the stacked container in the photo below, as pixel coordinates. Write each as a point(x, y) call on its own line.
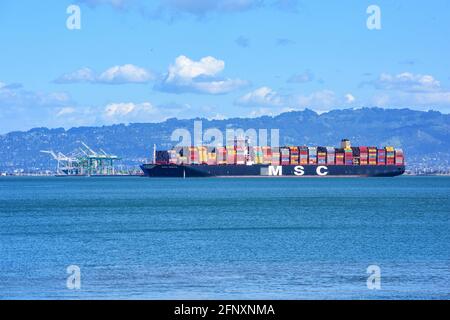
point(303, 155)
point(339, 156)
point(231, 155)
point(193, 155)
point(258, 155)
point(267, 155)
point(183, 160)
point(173, 157)
point(221, 155)
point(212, 156)
point(275, 156)
point(363, 155)
point(399, 159)
point(348, 156)
point(381, 157)
point(372, 156)
point(294, 155)
point(203, 155)
point(330, 155)
point(312, 153)
point(390, 155)
point(183, 156)
point(321, 155)
point(252, 154)
point(285, 156)
point(240, 154)
point(356, 155)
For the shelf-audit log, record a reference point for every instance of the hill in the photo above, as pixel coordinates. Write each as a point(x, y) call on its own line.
point(424, 136)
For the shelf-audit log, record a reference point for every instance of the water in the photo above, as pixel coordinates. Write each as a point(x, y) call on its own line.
point(225, 238)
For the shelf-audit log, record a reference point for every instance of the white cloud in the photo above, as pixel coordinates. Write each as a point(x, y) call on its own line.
point(185, 68)
point(65, 111)
point(123, 74)
point(21, 108)
point(323, 100)
point(15, 96)
point(419, 100)
point(127, 73)
point(128, 112)
point(407, 82)
point(114, 110)
point(263, 96)
point(186, 75)
point(433, 98)
point(349, 98)
point(80, 75)
point(410, 90)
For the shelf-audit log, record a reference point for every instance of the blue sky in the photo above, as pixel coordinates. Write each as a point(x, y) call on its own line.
point(146, 61)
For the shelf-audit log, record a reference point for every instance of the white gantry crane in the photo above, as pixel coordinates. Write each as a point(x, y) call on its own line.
point(66, 165)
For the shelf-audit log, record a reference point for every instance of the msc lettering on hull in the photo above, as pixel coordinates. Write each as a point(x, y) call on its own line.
point(298, 171)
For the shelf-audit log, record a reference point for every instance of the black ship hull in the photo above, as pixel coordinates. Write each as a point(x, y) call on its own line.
point(260, 170)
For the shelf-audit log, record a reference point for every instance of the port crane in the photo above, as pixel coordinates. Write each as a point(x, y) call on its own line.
point(84, 161)
point(66, 165)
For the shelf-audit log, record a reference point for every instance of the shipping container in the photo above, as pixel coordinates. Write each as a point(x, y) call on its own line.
point(267, 155)
point(231, 155)
point(295, 155)
point(348, 156)
point(356, 155)
point(203, 155)
point(339, 156)
point(173, 157)
point(390, 155)
point(399, 158)
point(363, 156)
point(212, 156)
point(193, 155)
point(303, 155)
point(372, 152)
point(331, 154)
point(256, 155)
point(221, 155)
point(321, 155)
point(240, 154)
point(276, 156)
point(285, 156)
point(312, 155)
point(381, 157)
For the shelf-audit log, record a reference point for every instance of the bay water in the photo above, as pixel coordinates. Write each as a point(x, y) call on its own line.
point(265, 238)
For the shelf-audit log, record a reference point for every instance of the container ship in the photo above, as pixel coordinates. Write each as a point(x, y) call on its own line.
point(242, 160)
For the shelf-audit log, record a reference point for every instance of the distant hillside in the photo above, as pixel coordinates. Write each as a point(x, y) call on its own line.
point(425, 136)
